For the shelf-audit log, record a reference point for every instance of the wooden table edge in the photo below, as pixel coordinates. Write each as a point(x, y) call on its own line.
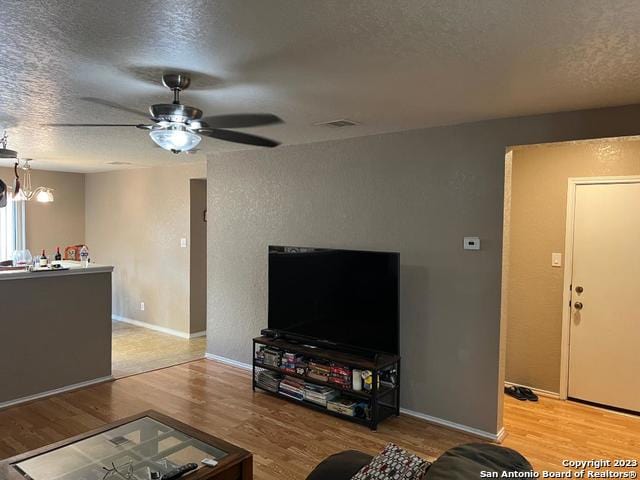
point(235, 455)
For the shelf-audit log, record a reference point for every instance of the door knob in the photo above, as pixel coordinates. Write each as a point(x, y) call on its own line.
point(578, 305)
point(579, 289)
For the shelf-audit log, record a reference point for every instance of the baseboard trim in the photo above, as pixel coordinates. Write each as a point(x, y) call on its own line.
point(537, 391)
point(55, 391)
point(438, 421)
point(228, 361)
point(494, 437)
point(157, 328)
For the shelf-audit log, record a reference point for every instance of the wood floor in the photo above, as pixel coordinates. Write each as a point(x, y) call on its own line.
point(288, 440)
point(137, 349)
point(552, 430)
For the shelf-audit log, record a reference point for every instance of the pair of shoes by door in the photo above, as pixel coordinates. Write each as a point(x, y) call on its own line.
point(521, 393)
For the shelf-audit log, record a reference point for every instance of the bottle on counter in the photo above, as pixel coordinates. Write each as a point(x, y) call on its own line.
point(57, 259)
point(43, 261)
point(84, 256)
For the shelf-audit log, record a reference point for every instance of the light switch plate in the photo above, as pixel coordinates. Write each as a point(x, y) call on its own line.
point(472, 243)
point(556, 259)
point(183, 242)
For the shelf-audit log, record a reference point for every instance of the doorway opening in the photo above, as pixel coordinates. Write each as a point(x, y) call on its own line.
point(568, 246)
point(198, 257)
point(140, 346)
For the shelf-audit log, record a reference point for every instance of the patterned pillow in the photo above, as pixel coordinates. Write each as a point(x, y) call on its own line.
point(393, 463)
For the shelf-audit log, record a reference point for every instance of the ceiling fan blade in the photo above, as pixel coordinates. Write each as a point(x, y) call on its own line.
point(92, 125)
point(117, 106)
point(241, 120)
point(238, 137)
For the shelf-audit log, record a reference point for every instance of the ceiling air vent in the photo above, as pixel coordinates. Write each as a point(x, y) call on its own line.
point(343, 122)
point(119, 163)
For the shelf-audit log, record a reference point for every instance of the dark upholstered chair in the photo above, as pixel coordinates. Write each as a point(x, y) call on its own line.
point(340, 466)
point(462, 462)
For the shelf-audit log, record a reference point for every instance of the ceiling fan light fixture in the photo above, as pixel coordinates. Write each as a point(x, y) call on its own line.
point(175, 138)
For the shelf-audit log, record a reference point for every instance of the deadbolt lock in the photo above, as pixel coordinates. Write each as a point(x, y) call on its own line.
point(578, 305)
point(579, 289)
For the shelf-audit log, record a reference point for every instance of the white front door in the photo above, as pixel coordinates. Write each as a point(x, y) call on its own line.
point(604, 355)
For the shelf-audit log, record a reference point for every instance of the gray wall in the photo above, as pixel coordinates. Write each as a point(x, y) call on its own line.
point(417, 192)
point(55, 332)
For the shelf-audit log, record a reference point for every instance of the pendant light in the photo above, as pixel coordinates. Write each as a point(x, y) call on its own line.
point(22, 189)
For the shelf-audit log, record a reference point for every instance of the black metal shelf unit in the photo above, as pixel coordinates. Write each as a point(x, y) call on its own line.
point(383, 401)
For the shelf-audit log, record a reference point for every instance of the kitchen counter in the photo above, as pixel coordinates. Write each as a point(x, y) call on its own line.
point(55, 330)
point(74, 268)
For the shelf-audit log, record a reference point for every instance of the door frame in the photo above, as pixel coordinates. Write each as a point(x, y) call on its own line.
point(572, 185)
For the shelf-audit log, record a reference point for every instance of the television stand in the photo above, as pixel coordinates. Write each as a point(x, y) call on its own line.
point(367, 406)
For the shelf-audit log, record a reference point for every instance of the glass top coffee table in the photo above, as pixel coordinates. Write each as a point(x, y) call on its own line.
point(143, 447)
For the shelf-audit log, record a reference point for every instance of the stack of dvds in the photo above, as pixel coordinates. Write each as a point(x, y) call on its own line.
point(318, 394)
point(301, 367)
point(260, 354)
point(340, 375)
point(318, 371)
point(342, 405)
point(268, 380)
point(272, 356)
point(292, 387)
point(290, 361)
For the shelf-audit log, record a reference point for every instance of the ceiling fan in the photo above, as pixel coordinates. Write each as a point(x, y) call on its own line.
point(178, 128)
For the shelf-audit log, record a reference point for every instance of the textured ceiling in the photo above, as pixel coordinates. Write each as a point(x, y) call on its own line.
point(390, 65)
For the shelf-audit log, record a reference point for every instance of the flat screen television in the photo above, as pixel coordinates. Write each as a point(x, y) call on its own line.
point(345, 298)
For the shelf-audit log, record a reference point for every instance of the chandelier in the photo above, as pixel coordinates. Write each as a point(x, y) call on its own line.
point(22, 189)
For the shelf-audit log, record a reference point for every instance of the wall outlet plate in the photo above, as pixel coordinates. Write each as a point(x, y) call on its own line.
point(472, 243)
point(142, 306)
